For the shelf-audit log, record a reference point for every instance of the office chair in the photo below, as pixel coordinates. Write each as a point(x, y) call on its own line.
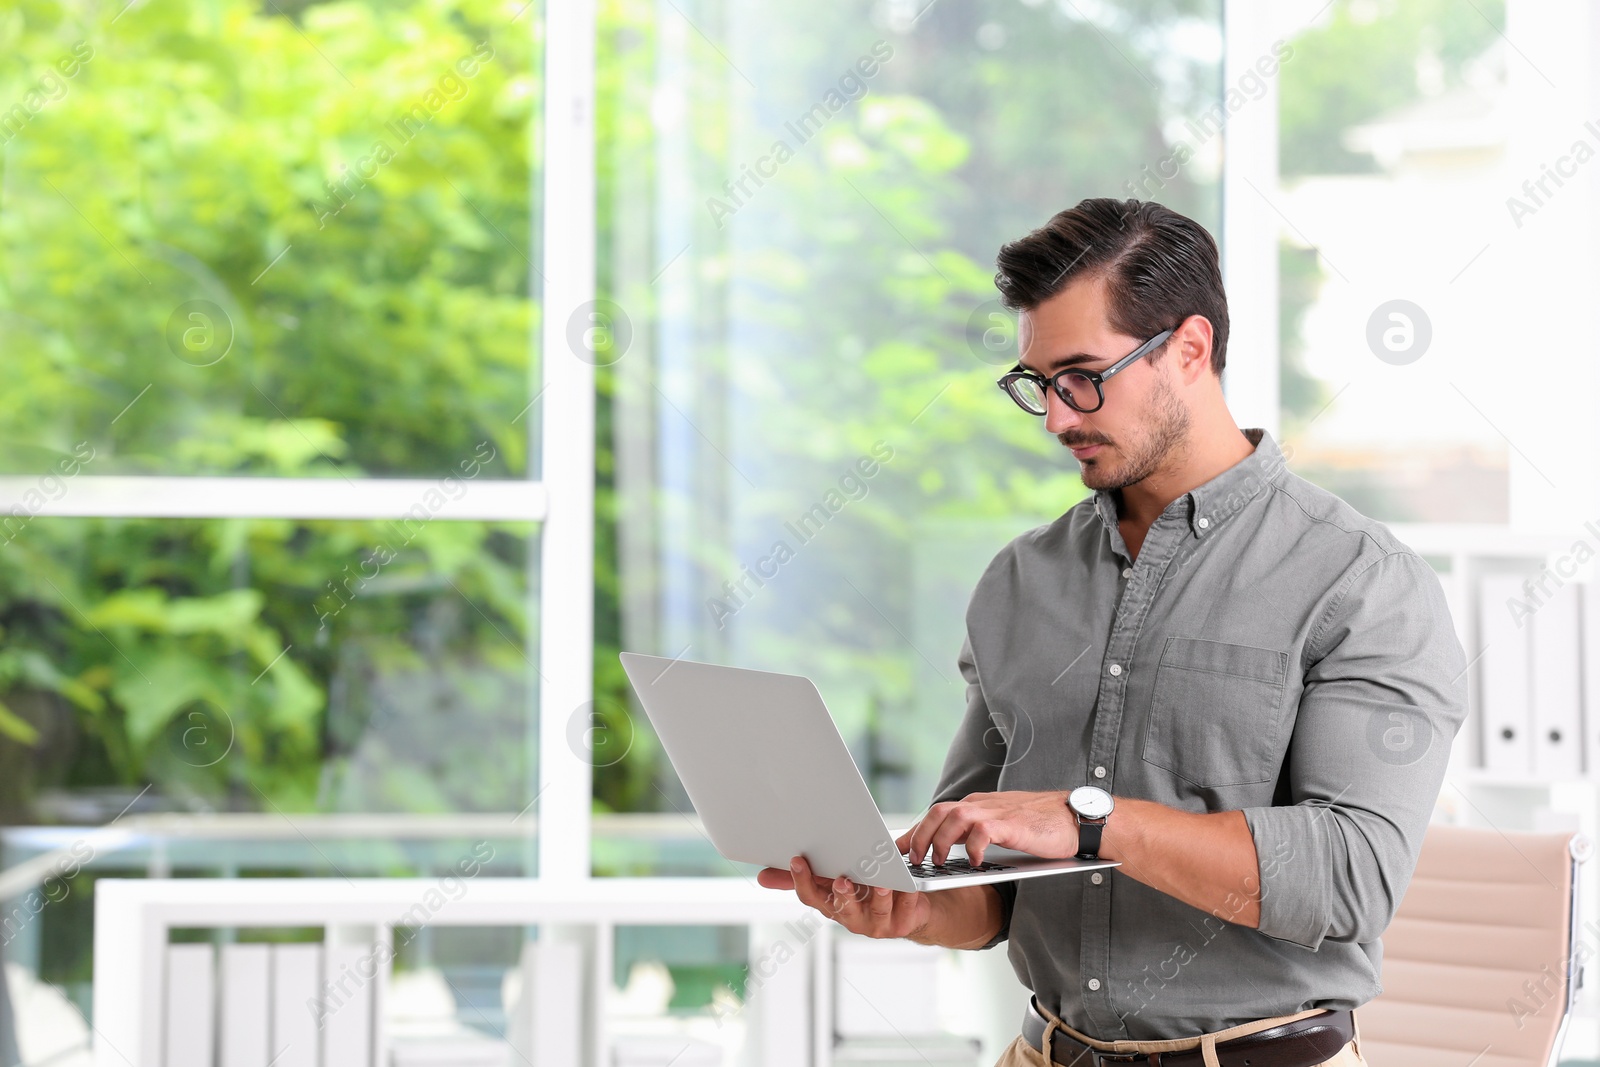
point(1480, 964)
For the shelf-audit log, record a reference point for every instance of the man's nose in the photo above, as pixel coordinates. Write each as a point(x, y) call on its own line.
point(1059, 416)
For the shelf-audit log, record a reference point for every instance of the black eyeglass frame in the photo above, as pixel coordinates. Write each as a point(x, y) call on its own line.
point(1095, 378)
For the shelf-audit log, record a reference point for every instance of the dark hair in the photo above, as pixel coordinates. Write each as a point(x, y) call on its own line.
point(1159, 266)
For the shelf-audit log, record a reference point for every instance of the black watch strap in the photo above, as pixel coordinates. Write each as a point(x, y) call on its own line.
point(1089, 839)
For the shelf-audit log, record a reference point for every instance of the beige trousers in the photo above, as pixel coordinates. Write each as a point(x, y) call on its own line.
point(1021, 1054)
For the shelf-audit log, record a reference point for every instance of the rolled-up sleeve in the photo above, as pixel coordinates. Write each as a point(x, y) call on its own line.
point(1385, 692)
point(973, 766)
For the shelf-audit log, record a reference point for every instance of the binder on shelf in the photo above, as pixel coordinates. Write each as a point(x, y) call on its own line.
point(1589, 630)
point(1504, 670)
point(1557, 681)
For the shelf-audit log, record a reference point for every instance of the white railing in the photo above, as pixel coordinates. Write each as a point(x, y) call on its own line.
point(146, 841)
point(157, 1003)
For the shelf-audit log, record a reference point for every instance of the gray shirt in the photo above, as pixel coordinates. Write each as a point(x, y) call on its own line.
point(1271, 651)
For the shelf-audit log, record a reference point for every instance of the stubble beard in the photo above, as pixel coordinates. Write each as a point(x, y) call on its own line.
point(1167, 422)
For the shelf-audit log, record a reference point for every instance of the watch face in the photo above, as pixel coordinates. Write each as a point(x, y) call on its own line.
point(1090, 801)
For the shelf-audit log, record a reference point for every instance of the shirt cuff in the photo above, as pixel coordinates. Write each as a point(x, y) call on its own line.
point(1008, 901)
point(1294, 861)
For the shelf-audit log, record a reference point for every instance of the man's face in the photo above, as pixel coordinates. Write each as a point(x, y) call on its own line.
point(1143, 421)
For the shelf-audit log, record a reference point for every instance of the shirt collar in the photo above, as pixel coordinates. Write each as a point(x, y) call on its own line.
point(1208, 506)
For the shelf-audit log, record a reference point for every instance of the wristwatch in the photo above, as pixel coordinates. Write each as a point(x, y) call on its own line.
point(1091, 805)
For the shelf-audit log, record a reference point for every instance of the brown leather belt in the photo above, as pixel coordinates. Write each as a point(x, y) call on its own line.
point(1305, 1043)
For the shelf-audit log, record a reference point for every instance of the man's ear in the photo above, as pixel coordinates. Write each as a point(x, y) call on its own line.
point(1191, 344)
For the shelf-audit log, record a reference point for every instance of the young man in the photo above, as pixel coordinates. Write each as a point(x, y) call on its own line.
point(1257, 685)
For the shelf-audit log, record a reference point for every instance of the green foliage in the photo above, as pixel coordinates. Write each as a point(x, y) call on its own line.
point(1302, 395)
point(197, 143)
point(1360, 61)
point(220, 694)
point(830, 314)
point(344, 188)
point(224, 253)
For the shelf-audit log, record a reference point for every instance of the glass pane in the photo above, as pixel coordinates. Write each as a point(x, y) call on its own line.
point(454, 993)
point(275, 239)
point(235, 665)
point(333, 699)
point(678, 994)
point(806, 464)
point(1031, 393)
point(1392, 145)
point(1082, 391)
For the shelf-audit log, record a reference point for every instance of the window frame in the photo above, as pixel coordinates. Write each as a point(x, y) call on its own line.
point(560, 497)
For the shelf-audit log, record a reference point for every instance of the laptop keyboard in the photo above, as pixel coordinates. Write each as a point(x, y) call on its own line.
point(957, 865)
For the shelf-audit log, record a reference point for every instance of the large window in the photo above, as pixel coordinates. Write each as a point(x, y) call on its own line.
point(1394, 136)
point(274, 285)
point(805, 461)
point(354, 423)
point(269, 540)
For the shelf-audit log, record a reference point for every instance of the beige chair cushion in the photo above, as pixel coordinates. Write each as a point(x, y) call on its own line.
point(1474, 965)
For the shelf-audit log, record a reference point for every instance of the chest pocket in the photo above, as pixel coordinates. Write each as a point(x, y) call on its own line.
point(1217, 712)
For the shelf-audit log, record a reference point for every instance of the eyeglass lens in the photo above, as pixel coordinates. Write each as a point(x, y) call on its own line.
point(1030, 393)
point(1081, 389)
point(1078, 387)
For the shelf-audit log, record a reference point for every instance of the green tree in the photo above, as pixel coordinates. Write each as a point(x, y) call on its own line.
point(835, 308)
point(1365, 58)
point(271, 240)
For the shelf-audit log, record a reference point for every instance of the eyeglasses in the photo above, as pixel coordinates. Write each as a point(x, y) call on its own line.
point(1080, 390)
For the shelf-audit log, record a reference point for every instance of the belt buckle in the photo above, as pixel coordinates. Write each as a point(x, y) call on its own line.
point(1102, 1058)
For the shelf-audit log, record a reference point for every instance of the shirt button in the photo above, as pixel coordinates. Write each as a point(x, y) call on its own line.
point(1097, 878)
point(1127, 572)
point(1094, 983)
point(1203, 523)
point(1116, 669)
point(1099, 772)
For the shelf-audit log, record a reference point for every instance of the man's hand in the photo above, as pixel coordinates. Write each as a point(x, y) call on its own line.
point(861, 909)
point(1037, 823)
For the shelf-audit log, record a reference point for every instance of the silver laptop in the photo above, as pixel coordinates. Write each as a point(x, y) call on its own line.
point(769, 774)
